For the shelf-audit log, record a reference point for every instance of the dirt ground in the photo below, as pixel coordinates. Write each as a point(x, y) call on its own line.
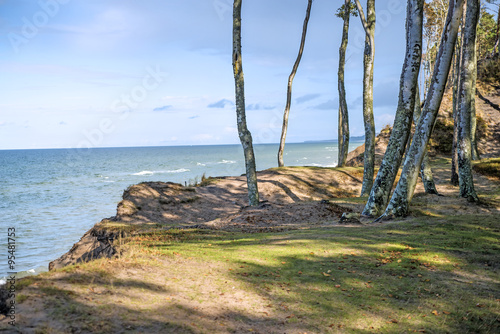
point(288, 196)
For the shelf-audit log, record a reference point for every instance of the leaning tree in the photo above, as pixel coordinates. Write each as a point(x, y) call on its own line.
point(289, 87)
point(402, 195)
point(386, 175)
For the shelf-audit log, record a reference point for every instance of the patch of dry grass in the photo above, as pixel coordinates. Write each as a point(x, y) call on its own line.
point(488, 167)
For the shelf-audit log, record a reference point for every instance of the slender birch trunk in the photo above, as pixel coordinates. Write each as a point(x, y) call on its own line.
point(408, 85)
point(289, 89)
point(399, 203)
point(243, 132)
point(425, 169)
point(473, 124)
point(343, 135)
point(369, 122)
point(456, 84)
point(466, 98)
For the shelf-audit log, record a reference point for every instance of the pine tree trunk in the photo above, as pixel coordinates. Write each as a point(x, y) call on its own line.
point(369, 122)
point(289, 88)
point(466, 97)
point(399, 203)
point(386, 175)
point(243, 132)
point(343, 135)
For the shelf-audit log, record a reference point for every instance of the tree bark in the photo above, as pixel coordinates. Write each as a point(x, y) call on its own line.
point(386, 175)
point(369, 122)
point(456, 84)
point(473, 124)
point(243, 132)
point(466, 98)
point(343, 135)
point(289, 88)
point(399, 203)
point(425, 169)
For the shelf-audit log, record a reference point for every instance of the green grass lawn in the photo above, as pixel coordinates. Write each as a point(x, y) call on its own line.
point(422, 275)
point(419, 276)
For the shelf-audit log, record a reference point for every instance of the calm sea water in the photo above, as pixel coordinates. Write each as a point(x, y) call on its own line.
point(51, 197)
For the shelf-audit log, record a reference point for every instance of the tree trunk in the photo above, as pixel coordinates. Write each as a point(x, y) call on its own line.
point(343, 135)
point(456, 84)
point(369, 122)
point(399, 203)
point(473, 124)
point(289, 89)
point(243, 132)
point(466, 97)
point(386, 175)
point(425, 169)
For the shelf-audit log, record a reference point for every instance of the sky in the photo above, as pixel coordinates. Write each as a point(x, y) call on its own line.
point(93, 73)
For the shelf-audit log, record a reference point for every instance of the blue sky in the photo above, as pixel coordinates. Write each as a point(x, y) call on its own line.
point(93, 73)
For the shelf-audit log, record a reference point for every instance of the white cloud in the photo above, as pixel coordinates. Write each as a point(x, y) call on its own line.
point(221, 104)
point(328, 105)
point(306, 97)
point(163, 108)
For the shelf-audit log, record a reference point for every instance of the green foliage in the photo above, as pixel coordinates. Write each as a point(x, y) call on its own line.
point(488, 70)
point(434, 19)
point(353, 10)
point(486, 34)
point(206, 181)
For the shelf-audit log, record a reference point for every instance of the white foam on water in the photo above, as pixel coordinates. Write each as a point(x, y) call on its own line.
point(180, 170)
point(173, 171)
point(322, 165)
point(144, 172)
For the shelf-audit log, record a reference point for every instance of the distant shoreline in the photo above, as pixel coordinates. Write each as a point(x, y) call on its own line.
point(352, 139)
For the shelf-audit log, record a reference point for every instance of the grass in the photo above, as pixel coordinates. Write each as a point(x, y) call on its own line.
point(489, 167)
point(423, 275)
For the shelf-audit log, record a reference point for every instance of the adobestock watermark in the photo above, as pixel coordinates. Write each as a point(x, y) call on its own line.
point(383, 19)
point(223, 7)
point(32, 25)
point(121, 108)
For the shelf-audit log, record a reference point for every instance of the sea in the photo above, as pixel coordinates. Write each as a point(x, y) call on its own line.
point(51, 197)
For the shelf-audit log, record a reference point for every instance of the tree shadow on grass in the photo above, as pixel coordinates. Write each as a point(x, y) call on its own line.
point(393, 278)
point(437, 278)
